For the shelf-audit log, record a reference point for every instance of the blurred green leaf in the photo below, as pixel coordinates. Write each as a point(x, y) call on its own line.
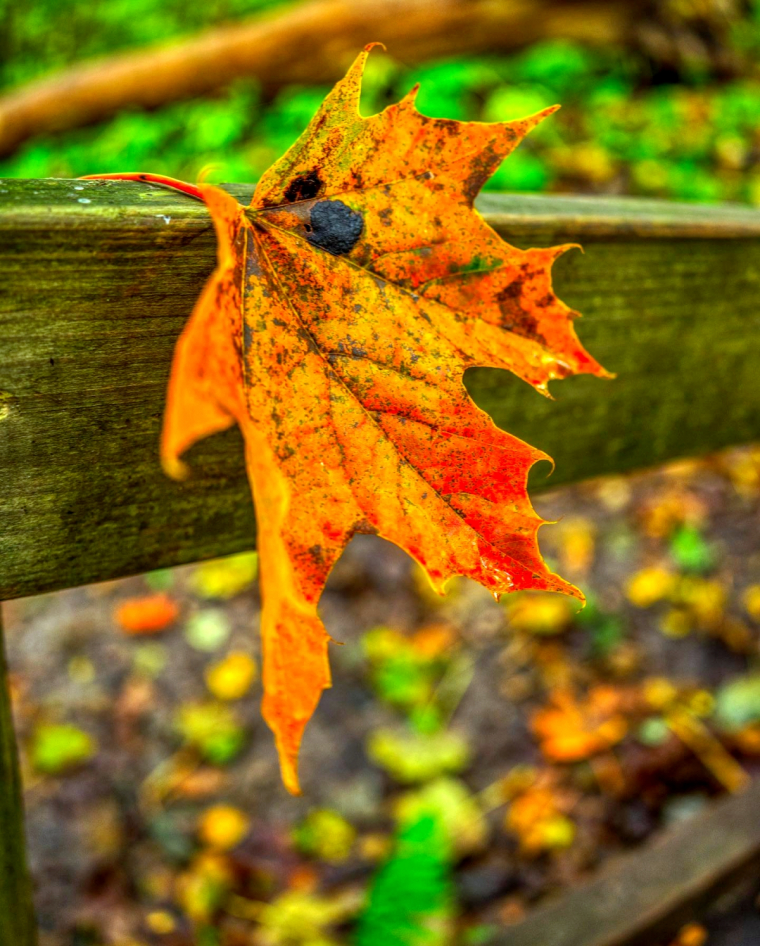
point(737, 704)
point(208, 629)
point(413, 757)
point(173, 835)
point(605, 631)
point(213, 729)
point(653, 732)
point(511, 102)
point(450, 802)
point(560, 65)
point(58, 748)
point(522, 171)
point(160, 580)
point(289, 114)
point(402, 681)
point(690, 551)
point(411, 897)
point(225, 577)
point(150, 659)
point(325, 834)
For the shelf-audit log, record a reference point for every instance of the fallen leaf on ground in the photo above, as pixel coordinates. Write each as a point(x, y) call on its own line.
point(325, 834)
point(693, 934)
point(539, 613)
point(538, 818)
point(202, 888)
point(650, 585)
point(455, 809)
point(570, 730)
point(223, 827)
point(148, 615)
point(232, 677)
point(212, 729)
point(411, 757)
point(751, 599)
point(207, 630)
point(225, 577)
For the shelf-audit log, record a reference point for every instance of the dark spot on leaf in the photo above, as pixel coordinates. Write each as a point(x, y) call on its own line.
point(511, 292)
point(516, 318)
point(335, 227)
point(304, 187)
point(247, 336)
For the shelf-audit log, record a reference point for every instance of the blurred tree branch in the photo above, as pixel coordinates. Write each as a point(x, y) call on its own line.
point(308, 43)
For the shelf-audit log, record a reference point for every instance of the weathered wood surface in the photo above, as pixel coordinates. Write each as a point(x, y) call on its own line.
point(643, 898)
point(98, 279)
point(17, 924)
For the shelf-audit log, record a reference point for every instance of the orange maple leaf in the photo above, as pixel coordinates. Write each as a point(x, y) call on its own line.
point(348, 300)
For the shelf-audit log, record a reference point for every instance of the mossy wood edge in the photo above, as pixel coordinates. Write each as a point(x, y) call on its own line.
point(641, 899)
point(98, 279)
point(17, 923)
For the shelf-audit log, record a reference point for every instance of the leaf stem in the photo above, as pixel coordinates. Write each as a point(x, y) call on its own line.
point(190, 189)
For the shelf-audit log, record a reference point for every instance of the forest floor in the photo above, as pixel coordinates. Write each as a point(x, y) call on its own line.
point(545, 740)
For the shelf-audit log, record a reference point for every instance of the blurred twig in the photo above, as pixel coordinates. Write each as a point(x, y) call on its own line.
point(309, 43)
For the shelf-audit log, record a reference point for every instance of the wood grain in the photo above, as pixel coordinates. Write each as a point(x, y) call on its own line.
point(99, 277)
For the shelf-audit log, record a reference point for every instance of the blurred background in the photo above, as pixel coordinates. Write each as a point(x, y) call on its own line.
point(658, 98)
point(473, 757)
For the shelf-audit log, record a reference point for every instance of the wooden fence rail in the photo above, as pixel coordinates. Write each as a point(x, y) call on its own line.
point(96, 281)
point(98, 278)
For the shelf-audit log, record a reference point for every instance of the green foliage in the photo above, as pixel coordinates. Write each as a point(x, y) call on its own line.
point(616, 132)
point(40, 35)
point(402, 681)
point(479, 935)
point(403, 676)
point(690, 551)
point(180, 139)
point(411, 895)
point(450, 89)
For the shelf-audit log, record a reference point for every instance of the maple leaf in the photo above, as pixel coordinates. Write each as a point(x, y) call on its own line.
point(348, 300)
